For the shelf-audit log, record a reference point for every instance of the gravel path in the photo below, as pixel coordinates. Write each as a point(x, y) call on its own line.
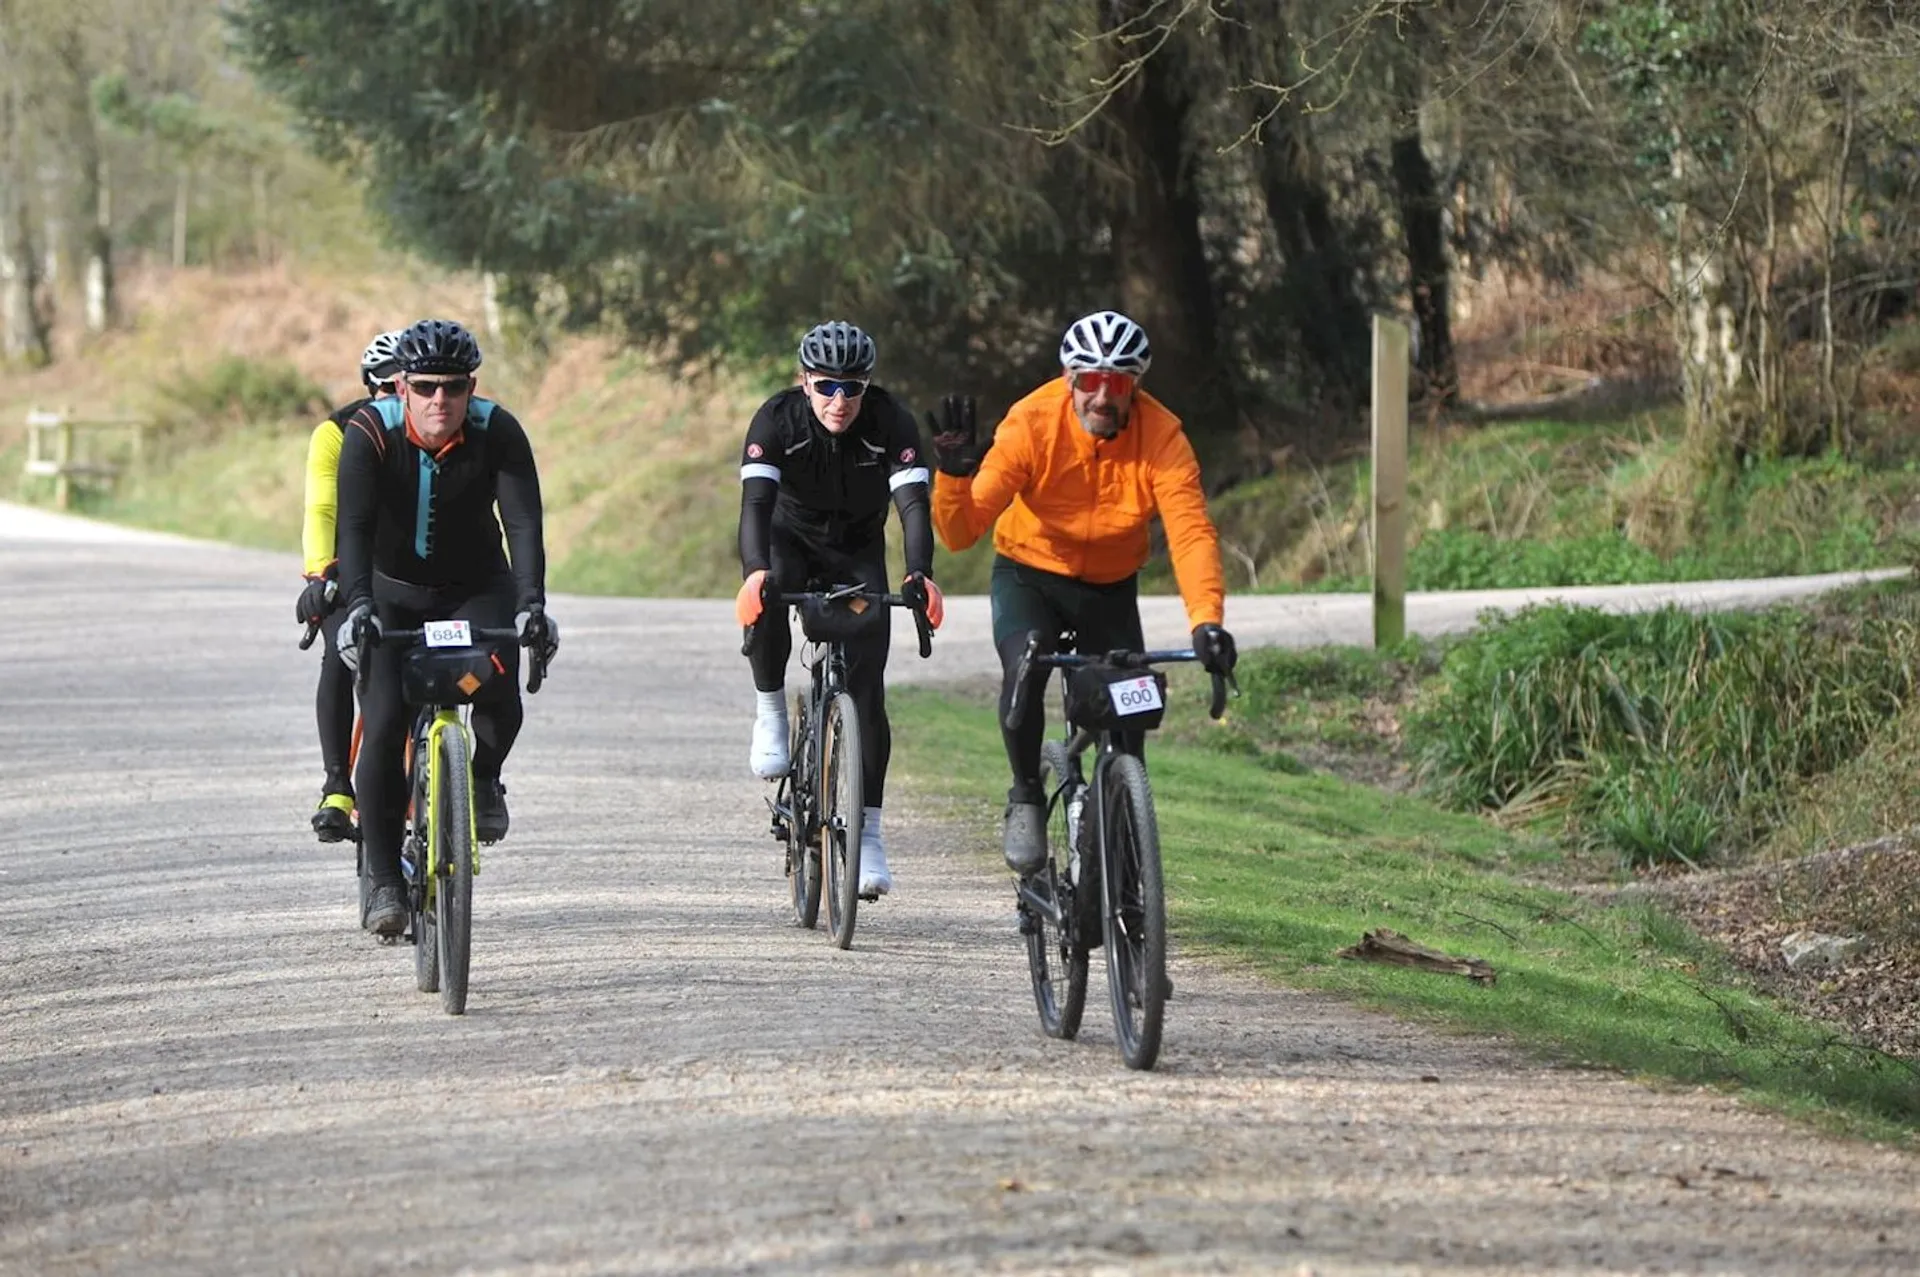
point(205, 1067)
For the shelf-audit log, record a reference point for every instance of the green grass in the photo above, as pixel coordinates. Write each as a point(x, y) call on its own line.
point(1280, 871)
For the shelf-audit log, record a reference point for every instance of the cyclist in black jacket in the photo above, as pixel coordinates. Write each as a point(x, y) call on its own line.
point(420, 475)
point(821, 463)
point(319, 602)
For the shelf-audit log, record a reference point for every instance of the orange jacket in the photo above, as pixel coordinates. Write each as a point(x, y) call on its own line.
point(1079, 506)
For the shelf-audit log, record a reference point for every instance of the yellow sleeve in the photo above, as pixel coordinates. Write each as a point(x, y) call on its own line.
point(323, 497)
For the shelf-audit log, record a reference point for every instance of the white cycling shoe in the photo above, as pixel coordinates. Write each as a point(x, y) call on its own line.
point(769, 755)
point(875, 878)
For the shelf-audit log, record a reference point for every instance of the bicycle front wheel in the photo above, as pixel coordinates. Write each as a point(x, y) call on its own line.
point(413, 864)
point(1134, 912)
point(1056, 951)
point(803, 853)
point(842, 793)
point(453, 872)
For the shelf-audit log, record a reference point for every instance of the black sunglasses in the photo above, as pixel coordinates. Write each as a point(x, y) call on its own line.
point(455, 386)
point(851, 387)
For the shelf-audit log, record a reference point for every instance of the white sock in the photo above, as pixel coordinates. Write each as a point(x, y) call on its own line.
point(870, 823)
point(774, 702)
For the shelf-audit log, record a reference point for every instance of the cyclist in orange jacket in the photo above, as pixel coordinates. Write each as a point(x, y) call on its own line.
point(1073, 475)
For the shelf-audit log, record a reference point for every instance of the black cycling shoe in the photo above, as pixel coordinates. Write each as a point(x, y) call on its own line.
point(489, 808)
point(333, 820)
point(386, 913)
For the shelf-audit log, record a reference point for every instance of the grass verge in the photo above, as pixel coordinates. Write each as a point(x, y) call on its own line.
point(1280, 871)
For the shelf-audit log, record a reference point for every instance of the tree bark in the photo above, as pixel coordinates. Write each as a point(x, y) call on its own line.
point(1318, 274)
point(1165, 282)
point(102, 302)
point(1417, 196)
point(23, 335)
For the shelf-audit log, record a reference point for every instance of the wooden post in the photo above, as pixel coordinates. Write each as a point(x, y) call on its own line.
point(63, 459)
point(1389, 481)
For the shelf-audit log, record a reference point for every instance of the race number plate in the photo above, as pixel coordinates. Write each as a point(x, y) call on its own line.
point(449, 633)
point(1135, 696)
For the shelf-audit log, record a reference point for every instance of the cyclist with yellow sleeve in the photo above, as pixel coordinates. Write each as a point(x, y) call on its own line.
point(319, 602)
point(1074, 474)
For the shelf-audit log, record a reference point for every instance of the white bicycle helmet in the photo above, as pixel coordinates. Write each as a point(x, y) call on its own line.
point(1105, 340)
point(381, 359)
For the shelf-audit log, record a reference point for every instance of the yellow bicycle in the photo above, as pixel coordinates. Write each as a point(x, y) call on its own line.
point(449, 666)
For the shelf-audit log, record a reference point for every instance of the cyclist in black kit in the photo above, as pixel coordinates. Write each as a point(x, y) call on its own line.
point(319, 602)
point(419, 477)
point(821, 463)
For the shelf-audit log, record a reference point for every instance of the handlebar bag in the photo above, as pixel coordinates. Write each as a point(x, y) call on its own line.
point(1104, 697)
point(840, 620)
point(455, 675)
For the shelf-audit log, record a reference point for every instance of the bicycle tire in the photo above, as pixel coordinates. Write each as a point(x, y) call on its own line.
point(426, 946)
point(803, 856)
point(842, 793)
point(1134, 912)
point(453, 888)
point(1056, 953)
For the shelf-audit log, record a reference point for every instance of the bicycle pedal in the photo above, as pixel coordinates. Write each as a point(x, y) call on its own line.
point(869, 896)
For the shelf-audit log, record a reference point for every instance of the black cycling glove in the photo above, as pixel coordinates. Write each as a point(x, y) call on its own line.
point(320, 597)
point(956, 428)
point(1214, 646)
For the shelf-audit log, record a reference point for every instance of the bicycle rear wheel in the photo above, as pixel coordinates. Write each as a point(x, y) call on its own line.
point(842, 793)
point(453, 872)
point(1134, 912)
point(1056, 952)
point(803, 854)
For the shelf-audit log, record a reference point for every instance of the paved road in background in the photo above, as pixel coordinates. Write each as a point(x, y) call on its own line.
point(205, 1067)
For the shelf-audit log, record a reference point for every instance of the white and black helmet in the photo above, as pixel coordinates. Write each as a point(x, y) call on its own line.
point(1105, 340)
point(838, 349)
point(381, 359)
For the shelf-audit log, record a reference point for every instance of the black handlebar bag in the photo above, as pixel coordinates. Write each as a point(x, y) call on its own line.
point(840, 620)
point(455, 675)
point(1109, 698)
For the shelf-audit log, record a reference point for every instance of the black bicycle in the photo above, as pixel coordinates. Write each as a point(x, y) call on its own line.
point(451, 665)
point(1101, 883)
point(820, 804)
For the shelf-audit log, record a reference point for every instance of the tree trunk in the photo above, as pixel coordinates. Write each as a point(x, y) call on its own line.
point(1417, 196)
point(182, 191)
point(101, 303)
point(1712, 366)
point(1160, 257)
point(23, 336)
point(1318, 276)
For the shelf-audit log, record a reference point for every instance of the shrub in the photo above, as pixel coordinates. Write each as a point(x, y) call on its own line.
point(1665, 734)
point(237, 391)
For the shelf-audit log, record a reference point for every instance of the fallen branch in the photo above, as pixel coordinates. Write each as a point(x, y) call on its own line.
point(1396, 950)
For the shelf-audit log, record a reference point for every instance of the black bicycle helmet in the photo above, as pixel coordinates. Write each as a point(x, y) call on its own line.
point(438, 345)
point(837, 349)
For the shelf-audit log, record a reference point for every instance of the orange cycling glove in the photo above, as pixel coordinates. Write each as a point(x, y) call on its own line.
point(747, 605)
point(936, 602)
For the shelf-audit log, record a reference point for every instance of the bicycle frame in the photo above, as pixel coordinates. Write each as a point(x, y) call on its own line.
point(807, 821)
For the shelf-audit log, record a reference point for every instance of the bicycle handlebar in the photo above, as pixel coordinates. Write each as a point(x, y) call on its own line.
point(536, 671)
point(913, 599)
point(1121, 658)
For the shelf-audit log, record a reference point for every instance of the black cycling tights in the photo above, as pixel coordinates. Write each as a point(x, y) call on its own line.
point(798, 564)
point(380, 775)
point(1068, 615)
point(333, 708)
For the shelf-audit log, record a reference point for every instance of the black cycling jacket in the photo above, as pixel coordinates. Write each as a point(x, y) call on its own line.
point(833, 490)
point(428, 518)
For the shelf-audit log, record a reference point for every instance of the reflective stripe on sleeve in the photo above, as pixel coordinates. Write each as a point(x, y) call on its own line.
point(759, 471)
point(901, 478)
